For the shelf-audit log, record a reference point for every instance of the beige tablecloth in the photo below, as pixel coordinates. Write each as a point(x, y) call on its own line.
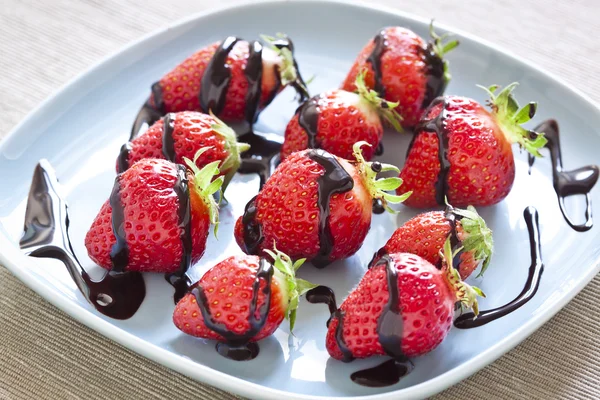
point(45, 354)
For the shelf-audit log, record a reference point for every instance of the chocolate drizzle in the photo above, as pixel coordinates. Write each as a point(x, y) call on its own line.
point(568, 183)
point(375, 60)
point(149, 113)
point(253, 72)
point(253, 235)
point(436, 82)
point(216, 78)
point(119, 254)
point(308, 118)
point(261, 158)
point(536, 269)
point(437, 125)
point(238, 346)
point(168, 143)
point(455, 242)
point(45, 235)
point(179, 279)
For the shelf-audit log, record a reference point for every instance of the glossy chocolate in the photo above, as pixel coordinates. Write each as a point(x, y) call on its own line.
point(216, 78)
point(119, 253)
point(45, 235)
point(236, 346)
point(308, 119)
point(149, 113)
point(253, 235)
point(436, 82)
point(375, 60)
point(168, 143)
point(436, 125)
point(568, 183)
point(253, 72)
point(536, 269)
point(261, 158)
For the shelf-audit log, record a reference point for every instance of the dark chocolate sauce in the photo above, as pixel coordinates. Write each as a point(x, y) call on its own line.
point(437, 125)
point(378, 207)
point(216, 78)
point(308, 118)
point(238, 346)
point(387, 373)
point(567, 183)
point(253, 235)
point(149, 113)
point(253, 72)
point(379, 148)
point(436, 83)
point(119, 254)
point(168, 143)
point(261, 158)
point(45, 235)
point(375, 60)
point(179, 279)
point(123, 158)
point(536, 269)
point(455, 242)
point(335, 179)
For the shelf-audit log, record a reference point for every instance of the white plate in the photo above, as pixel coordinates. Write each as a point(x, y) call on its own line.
point(81, 129)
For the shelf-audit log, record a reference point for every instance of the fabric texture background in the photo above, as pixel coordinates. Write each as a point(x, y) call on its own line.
point(44, 354)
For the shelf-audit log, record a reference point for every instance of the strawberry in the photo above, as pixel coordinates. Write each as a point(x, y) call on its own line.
point(403, 68)
point(337, 119)
point(315, 206)
point(242, 299)
point(234, 78)
point(157, 218)
point(461, 153)
point(425, 235)
point(187, 132)
point(402, 307)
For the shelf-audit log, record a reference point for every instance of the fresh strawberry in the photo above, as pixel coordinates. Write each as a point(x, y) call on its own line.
point(461, 153)
point(315, 206)
point(224, 77)
point(220, 305)
point(337, 119)
point(406, 295)
point(403, 68)
point(151, 208)
point(425, 235)
point(187, 133)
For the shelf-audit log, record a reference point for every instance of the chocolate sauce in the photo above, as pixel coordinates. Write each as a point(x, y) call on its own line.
point(536, 269)
point(308, 118)
point(123, 158)
point(119, 253)
point(253, 72)
point(375, 60)
point(436, 125)
point(261, 158)
point(378, 207)
point(216, 78)
point(149, 113)
point(253, 235)
point(168, 143)
point(379, 148)
point(335, 179)
point(567, 183)
point(436, 83)
point(238, 346)
point(387, 373)
point(45, 235)
point(179, 279)
point(455, 242)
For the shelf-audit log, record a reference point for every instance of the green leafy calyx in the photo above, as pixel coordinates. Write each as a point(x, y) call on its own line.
point(378, 188)
point(386, 109)
point(285, 271)
point(510, 117)
point(441, 47)
point(466, 294)
point(205, 184)
point(477, 236)
point(233, 148)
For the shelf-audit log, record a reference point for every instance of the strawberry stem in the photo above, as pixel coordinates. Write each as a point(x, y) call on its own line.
point(510, 117)
point(385, 109)
point(232, 147)
point(378, 187)
point(466, 294)
point(441, 48)
point(205, 186)
point(477, 236)
point(285, 273)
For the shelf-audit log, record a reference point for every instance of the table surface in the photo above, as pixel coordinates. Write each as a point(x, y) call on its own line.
point(46, 354)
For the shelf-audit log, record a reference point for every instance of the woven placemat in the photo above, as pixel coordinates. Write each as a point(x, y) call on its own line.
point(44, 354)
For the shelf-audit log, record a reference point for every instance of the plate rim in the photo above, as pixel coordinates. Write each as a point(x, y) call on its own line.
point(222, 380)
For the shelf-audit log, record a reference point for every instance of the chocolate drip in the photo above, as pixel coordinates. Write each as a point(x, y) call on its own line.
point(253, 235)
point(168, 143)
point(45, 235)
point(322, 295)
point(455, 242)
point(437, 125)
point(335, 179)
point(536, 269)
point(253, 72)
point(308, 118)
point(123, 158)
point(261, 158)
point(387, 373)
point(375, 60)
point(149, 113)
point(379, 148)
point(238, 346)
point(179, 279)
point(567, 183)
point(216, 78)
point(436, 82)
point(378, 207)
point(119, 254)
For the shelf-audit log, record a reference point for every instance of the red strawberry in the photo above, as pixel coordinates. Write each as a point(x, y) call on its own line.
point(337, 119)
point(315, 206)
point(220, 305)
point(462, 153)
point(403, 68)
point(425, 235)
point(161, 215)
point(187, 133)
point(406, 295)
point(234, 78)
